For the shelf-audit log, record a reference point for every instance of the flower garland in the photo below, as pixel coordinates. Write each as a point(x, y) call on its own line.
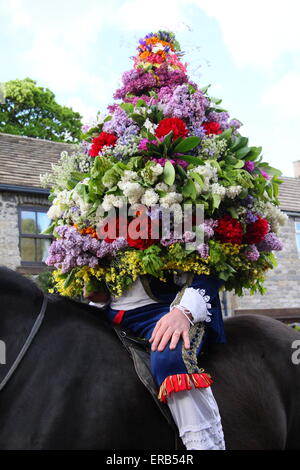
point(164, 143)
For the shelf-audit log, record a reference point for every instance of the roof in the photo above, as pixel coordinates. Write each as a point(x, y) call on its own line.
point(23, 159)
point(289, 194)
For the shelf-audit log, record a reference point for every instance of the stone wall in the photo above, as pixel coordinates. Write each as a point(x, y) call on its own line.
point(9, 226)
point(282, 283)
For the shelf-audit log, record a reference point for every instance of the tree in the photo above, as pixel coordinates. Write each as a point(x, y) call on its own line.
point(31, 110)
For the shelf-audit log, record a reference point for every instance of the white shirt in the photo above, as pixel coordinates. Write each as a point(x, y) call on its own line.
point(193, 301)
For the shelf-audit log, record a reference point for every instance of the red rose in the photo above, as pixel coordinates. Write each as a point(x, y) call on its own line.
point(229, 230)
point(172, 124)
point(212, 127)
point(256, 231)
point(99, 142)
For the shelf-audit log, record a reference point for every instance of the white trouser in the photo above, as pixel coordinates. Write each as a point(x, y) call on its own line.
point(197, 417)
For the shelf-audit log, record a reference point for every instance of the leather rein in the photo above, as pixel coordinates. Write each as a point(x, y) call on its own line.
point(35, 329)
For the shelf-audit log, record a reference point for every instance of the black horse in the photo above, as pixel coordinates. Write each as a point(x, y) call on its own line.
point(76, 387)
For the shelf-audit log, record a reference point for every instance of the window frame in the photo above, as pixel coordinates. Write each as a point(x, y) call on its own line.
point(35, 236)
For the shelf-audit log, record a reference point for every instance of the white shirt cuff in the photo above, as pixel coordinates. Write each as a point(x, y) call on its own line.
point(197, 303)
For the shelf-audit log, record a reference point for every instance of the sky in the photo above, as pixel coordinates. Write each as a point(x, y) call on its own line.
point(248, 51)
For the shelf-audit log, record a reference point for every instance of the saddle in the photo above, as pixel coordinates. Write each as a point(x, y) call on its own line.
point(139, 351)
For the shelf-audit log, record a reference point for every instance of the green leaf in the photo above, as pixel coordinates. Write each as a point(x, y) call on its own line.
point(198, 178)
point(187, 144)
point(239, 164)
point(190, 159)
point(128, 107)
point(233, 212)
point(189, 190)
point(49, 230)
point(137, 118)
point(69, 278)
point(254, 153)
point(140, 103)
point(216, 201)
point(239, 143)
point(180, 171)
point(205, 88)
point(226, 135)
point(242, 152)
point(169, 173)
point(167, 140)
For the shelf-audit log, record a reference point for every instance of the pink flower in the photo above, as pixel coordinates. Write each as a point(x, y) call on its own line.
point(143, 144)
point(265, 175)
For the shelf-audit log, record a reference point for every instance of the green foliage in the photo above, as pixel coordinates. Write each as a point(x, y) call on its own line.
point(32, 111)
point(45, 281)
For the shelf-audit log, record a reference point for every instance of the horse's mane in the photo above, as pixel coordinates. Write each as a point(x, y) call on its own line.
point(14, 283)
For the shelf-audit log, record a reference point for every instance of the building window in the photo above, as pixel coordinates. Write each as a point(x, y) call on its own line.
point(33, 244)
point(297, 230)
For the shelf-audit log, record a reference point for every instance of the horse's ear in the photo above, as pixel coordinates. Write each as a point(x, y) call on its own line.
point(15, 283)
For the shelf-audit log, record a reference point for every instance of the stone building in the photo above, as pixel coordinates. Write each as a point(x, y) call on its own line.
point(23, 207)
point(23, 203)
point(282, 299)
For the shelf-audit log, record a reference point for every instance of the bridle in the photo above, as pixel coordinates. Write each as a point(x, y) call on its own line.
point(36, 326)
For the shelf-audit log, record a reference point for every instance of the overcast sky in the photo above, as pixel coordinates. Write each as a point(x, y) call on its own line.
point(249, 51)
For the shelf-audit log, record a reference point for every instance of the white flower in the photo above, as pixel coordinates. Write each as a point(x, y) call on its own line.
point(60, 204)
point(54, 212)
point(206, 170)
point(233, 191)
point(162, 187)
point(126, 177)
point(150, 126)
point(110, 201)
point(273, 214)
point(216, 188)
point(149, 198)
point(177, 212)
point(157, 169)
point(133, 191)
point(170, 198)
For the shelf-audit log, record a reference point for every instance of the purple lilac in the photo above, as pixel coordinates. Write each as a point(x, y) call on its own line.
point(251, 217)
point(203, 250)
point(270, 243)
point(189, 236)
point(170, 78)
point(135, 82)
point(235, 123)
point(248, 201)
point(208, 228)
point(182, 104)
point(119, 123)
point(76, 250)
point(252, 253)
point(221, 118)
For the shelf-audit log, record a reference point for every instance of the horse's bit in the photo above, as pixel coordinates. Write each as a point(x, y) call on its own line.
point(27, 344)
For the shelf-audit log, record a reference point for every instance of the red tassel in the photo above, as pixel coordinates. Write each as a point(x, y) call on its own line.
point(180, 382)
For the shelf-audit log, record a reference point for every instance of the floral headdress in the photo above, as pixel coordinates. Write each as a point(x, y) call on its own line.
point(164, 143)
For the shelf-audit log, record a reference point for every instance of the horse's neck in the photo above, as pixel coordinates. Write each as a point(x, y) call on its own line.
point(18, 312)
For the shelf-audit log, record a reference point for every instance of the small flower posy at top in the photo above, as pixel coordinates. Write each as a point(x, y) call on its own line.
point(164, 143)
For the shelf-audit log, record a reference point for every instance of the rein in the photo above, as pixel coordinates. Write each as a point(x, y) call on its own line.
point(37, 324)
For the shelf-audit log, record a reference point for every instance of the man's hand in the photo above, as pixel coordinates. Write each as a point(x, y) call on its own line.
point(170, 327)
